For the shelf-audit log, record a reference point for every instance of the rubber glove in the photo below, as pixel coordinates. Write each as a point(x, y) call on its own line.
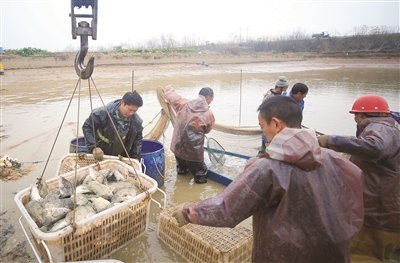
point(98, 154)
point(179, 216)
point(323, 141)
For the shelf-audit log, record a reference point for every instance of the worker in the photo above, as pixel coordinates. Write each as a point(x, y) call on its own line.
point(281, 87)
point(194, 119)
point(306, 201)
point(120, 135)
point(376, 150)
point(298, 92)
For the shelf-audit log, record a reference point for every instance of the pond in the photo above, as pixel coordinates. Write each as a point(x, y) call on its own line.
point(35, 106)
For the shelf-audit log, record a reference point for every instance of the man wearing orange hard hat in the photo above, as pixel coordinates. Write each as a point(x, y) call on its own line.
point(376, 151)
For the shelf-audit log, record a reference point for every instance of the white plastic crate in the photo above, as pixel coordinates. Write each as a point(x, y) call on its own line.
point(99, 235)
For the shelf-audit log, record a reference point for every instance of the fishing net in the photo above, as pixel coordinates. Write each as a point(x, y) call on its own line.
point(216, 152)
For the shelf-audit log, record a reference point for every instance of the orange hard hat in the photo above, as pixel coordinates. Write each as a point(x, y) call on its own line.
point(370, 104)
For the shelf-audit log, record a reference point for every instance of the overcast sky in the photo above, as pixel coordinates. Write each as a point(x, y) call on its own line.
point(47, 25)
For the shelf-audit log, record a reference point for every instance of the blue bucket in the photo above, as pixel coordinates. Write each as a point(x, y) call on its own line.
point(153, 163)
point(82, 148)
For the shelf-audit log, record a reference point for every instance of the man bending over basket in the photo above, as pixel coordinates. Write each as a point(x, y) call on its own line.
point(306, 201)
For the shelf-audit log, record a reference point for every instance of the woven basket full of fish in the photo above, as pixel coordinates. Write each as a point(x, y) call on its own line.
point(90, 229)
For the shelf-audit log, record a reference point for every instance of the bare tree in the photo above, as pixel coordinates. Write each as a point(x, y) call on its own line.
point(297, 35)
point(360, 30)
point(375, 30)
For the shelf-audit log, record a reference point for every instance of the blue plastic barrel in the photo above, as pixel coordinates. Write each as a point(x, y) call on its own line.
point(82, 148)
point(154, 161)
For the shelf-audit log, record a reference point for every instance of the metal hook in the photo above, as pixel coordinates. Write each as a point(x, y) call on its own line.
point(84, 30)
point(82, 71)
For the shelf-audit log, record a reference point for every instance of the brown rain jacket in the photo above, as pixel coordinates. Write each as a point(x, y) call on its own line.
point(194, 119)
point(306, 201)
point(377, 152)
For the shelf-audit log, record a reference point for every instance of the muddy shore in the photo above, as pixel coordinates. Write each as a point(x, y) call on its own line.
point(60, 60)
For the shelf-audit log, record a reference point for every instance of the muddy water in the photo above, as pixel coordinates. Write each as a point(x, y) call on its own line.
point(35, 103)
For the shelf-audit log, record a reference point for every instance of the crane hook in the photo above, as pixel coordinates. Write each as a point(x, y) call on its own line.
point(84, 72)
point(84, 30)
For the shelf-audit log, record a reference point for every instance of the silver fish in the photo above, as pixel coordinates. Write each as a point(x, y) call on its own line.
point(128, 191)
point(100, 189)
point(83, 189)
point(115, 186)
point(66, 187)
point(93, 175)
point(34, 195)
point(124, 194)
point(81, 212)
point(38, 213)
point(60, 202)
point(105, 172)
point(60, 224)
point(52, 196)
point(81, 199)
point(43, 188)
point(56, 209)
point(99, 203)
point(118, 176)
point(116, 199)
point(56, 213)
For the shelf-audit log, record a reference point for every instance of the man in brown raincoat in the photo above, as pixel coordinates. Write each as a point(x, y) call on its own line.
point(306, 201)
point(376, 150)
point(194, 119)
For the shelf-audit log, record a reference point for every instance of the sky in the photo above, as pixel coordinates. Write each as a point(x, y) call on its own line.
point(47, 24)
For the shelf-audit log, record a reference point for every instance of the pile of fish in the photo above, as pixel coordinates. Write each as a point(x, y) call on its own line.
point(96, 192)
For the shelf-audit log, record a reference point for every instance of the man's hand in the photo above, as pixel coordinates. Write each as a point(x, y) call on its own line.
point(323, 141)
point(179, 217)
point(98, 154)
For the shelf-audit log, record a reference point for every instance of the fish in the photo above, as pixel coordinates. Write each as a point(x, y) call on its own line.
point(60, 224)
point(59, 203)
point(94, 176)
point(106, 172)
point(38, 213)
point(35, 195)
point(99, 203)
point(83, 189)
point(81, 199)
point(55, 213)
point(66, 187)
point(127, 191)
point(43, 188)
point(100, 189)
point(124, 194)
point(52, 196)
point(118, 176)
point(81, 212)
point(115, 186)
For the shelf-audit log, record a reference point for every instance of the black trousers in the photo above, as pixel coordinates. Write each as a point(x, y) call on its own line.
point(198, 169)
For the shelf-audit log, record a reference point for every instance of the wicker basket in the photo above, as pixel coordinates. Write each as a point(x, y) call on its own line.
point(67, 162)
point(201, 244)
point(99, 235)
